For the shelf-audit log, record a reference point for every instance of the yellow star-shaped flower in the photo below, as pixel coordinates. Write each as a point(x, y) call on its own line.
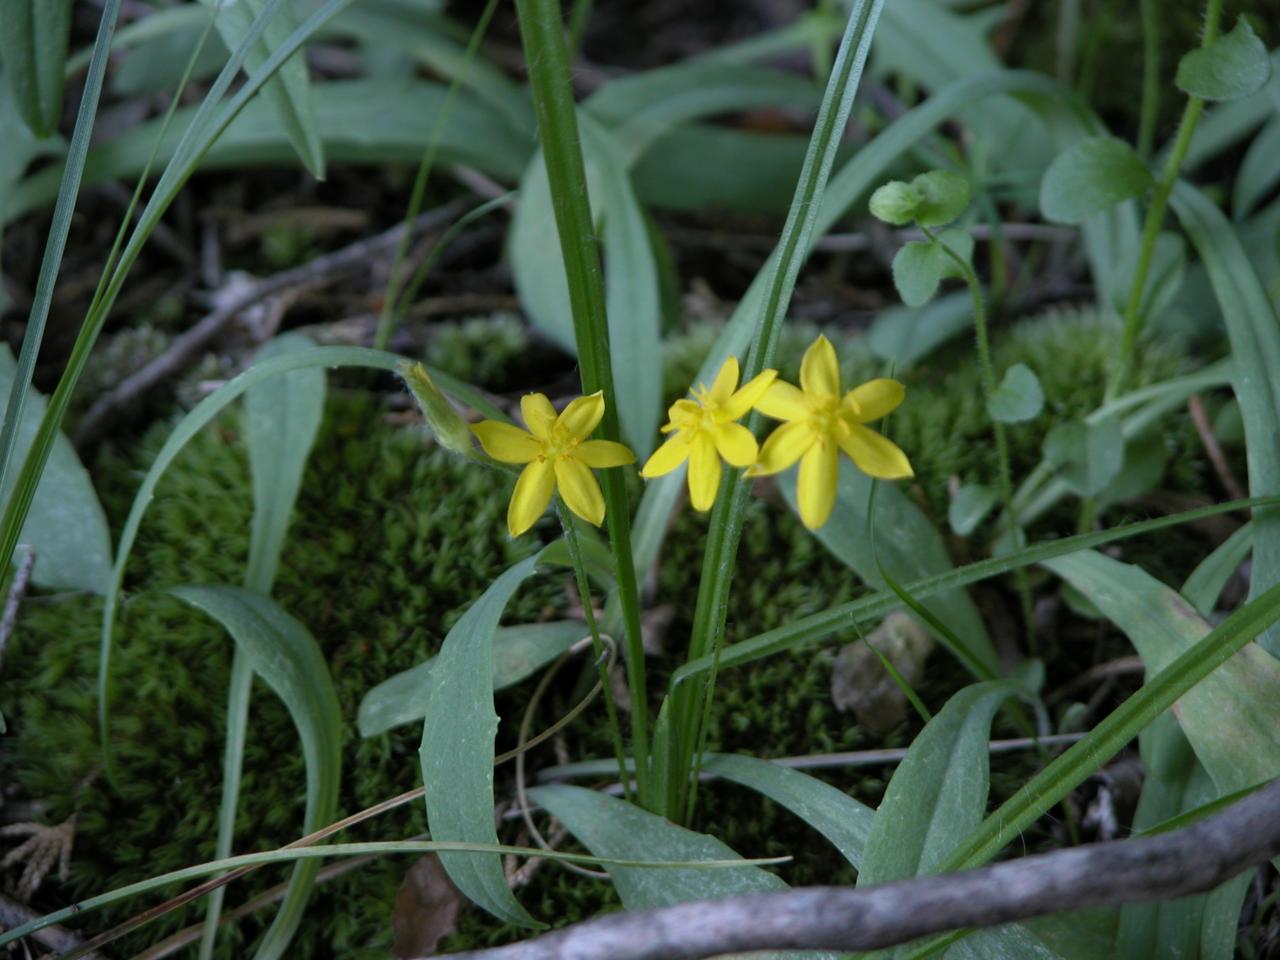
point(704, 429)
point(820, 423)
point(558, 455)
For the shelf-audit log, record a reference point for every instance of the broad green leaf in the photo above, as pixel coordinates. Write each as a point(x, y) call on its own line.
point(613, 828)
point(1087, 455)
point(969, 506)
point(33, 47)
point(281, 651)
point(1230, 716)
point(1254, 329)
point(21, 147)
point(1019, 396)
point(1258, 173)
point(943, 197)
point(1090, 177)
point(1205, 584)
point(1145, 459)
point(921, 265)
point(906, 335)
point(282, 418)
point(1235, 65)
point(938, 793)
point(1225, 124)
point(350, 132)
point(836, 815)
point(458, 748)
point(518, 652)
point(895, 203)
point(66, 526)
point(289, 91)
point(906, 544)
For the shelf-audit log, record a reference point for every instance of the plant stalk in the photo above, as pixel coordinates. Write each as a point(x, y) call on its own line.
point(541, 28)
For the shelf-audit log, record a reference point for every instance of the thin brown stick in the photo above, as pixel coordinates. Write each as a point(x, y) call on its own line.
point(1176, 864)
point(1195, 406)
point(15, 914)
point(186, 347)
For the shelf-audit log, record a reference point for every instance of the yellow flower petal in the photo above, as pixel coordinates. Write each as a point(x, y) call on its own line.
point(736, 444)
point(582, 415)
point(819, 370)
point(816, 486)
point(876, 399)
point(668, 457)
point(746, 398)
point(782, 401)
point(538, 414)
point(725, 381)
point(704, 472)
point(603, 453)
point(579, 489)
point(784, 447)
point(533, 492)
point(506, 443)
point(874, 455)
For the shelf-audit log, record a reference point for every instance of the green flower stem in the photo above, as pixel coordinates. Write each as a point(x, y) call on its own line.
point(1133, 318)
point(552, 89)
point(726, 518)
point(597, 645)
point(1002, 441)
point(393, 300)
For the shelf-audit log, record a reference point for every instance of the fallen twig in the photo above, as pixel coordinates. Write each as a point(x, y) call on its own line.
point(185, 348)
point(1171, 865)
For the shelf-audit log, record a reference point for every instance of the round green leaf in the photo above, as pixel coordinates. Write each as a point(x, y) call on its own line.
point(970, 504)
point(1019, 396)
point(1087, 455)
point(1092, 176)
point(895, 203)
point(1234, 65)
point(943, 197)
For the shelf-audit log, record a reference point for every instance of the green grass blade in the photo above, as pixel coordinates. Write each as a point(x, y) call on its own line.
point(33, 46)
point(170, 182)
point(282, 651)
point(64, 209)
point(199, 417)
point(1205, 584)
point(552, 89)
point(419, 847)
point(1253, 326)
point(282, 418)
point(817, 626)
point(289, 91)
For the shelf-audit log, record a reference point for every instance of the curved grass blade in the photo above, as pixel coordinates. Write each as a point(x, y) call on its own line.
point(457, 751)
point(1254, 329)
point(287, 854)
point(198, 138)
point(64, 209)
point(1207, 580)
point(282, 418)
point(817, 626)
point(836, 815)
point(200, 416)
point(289, 91)
point(281, 650)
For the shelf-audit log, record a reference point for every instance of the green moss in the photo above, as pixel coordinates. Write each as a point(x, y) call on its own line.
point(392, 541)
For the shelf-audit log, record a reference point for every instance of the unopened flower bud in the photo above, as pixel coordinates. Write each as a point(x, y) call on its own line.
point(449, 429)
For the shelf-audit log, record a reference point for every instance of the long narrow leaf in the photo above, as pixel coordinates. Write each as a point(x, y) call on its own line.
point(280, 650)
point(33, 47)
point(1254, 328)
